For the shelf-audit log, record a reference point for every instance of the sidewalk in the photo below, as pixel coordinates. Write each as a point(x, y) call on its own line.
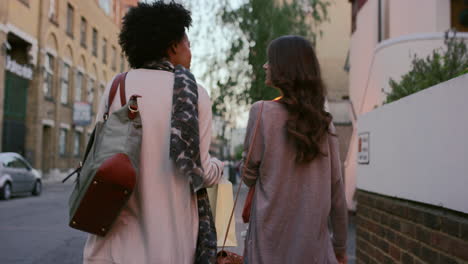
point(241, 227)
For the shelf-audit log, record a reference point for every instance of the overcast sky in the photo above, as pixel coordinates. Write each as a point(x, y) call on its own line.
point(209, 40)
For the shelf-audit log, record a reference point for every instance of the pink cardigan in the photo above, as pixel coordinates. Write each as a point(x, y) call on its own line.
point(293, 203)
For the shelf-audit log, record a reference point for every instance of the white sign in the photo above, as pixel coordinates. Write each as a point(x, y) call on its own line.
point(81, 114)
point(363, 148)
point(19, 69)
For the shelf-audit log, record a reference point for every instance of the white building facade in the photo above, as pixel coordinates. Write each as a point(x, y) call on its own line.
point(386, 34)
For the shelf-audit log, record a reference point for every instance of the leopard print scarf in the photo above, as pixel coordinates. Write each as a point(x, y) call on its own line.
point(185, 151)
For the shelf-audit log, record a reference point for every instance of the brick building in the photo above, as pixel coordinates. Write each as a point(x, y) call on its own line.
point(56, 57)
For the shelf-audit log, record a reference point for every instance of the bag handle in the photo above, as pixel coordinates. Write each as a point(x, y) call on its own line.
point(119, 80)
point(259, 116)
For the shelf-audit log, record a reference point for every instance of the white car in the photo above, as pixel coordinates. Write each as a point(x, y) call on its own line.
point(17, 176)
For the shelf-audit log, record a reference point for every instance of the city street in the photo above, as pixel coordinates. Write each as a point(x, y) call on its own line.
point(34, 229)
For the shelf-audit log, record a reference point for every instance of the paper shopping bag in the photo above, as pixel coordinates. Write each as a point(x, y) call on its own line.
point(222, 201)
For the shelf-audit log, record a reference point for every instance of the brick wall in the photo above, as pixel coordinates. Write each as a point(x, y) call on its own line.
point(391, 230)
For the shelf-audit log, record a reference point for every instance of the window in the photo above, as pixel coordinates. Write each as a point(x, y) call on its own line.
point(106, 6)
point(53, 11)
point(114, 58)
point(20, 164)
point(13, 161)
point(95, 42)
point(78, 86)
point(104, 51)
point(101, 90)
point(459, 15)
point(122, 63)
point(90, 97)
point(83, 31)
point(48, 75)
point(17, 163)
point(76, 143)
point(63, 141)
point(64, 83)
point(70, 17)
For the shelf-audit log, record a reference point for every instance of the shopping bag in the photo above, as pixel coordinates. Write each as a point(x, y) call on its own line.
point(222, 202)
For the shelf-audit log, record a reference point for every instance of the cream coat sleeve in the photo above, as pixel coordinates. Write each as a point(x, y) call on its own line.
point(212, 167)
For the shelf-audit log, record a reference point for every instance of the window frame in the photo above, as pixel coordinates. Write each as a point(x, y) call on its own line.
point(78, 95)
point(53, 17)
point(95, 42)
point(64, 99)
point(48, 80)
point(70, 23)
point(62, 148)
point(114, 58)
point(77, 148)
point(122, 62)
point(104, 50)
point(90, 82)
point(83, 32)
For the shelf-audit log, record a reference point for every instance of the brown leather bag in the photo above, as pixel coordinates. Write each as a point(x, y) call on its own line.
point(248, 205)
point(224, 256)
point(107, 176)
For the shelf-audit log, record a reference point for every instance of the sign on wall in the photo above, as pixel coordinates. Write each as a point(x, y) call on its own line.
point(363, 148)
point(81, 114)
point(21, 70)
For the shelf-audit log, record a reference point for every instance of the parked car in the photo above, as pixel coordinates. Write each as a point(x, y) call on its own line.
point(17, 176)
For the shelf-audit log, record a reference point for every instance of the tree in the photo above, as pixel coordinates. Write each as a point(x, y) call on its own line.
point(238, 74)
point(439, 66)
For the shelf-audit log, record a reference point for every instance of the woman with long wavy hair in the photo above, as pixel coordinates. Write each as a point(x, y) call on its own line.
point(294, 165)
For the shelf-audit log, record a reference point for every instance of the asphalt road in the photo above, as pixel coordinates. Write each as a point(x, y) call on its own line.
point(34, 230)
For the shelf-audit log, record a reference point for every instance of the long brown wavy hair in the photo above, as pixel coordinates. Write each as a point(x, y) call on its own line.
point(295, 71)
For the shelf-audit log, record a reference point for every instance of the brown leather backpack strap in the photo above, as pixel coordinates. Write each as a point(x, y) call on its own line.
point(123, 98)
point(112, 93)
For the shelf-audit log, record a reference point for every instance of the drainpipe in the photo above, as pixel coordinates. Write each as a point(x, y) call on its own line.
point(37, 146)
point(380, 20)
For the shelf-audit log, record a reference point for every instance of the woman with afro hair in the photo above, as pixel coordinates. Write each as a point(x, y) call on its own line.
point(160, 223)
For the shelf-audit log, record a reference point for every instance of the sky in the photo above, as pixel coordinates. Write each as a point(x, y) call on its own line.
point(209, 40)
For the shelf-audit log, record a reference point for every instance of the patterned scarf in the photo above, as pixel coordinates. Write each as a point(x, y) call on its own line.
point(185, 151)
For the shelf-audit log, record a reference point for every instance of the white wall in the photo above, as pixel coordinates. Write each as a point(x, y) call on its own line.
point(363, 43)
point(418, 16)
point(419, 147)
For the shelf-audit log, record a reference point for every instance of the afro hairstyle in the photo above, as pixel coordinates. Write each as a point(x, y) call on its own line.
point(149, 29)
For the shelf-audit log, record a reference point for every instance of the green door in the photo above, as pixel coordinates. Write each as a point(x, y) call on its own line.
point(14, 117)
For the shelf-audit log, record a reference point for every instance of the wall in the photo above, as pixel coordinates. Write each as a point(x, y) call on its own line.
point(332, 49)
point(418, 147)
point(391, 230)
point(418, 16)
point(363, 42)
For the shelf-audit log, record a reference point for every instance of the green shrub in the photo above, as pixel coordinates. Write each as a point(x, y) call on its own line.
point(440, 66)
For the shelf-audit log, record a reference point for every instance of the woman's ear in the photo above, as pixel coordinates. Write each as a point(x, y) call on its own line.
point(172, 49)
